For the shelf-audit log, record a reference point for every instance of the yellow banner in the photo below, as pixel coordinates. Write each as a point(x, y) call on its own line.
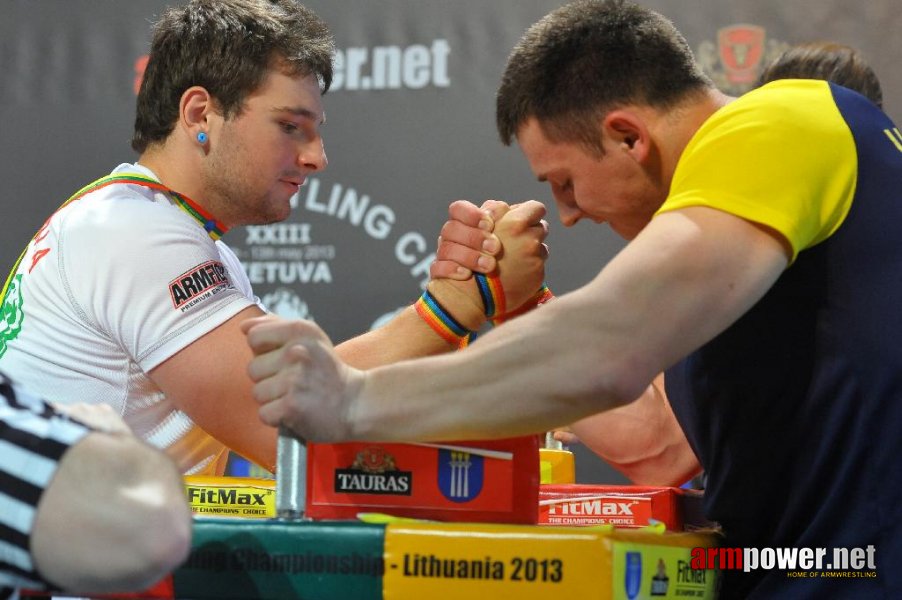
point(446, 560)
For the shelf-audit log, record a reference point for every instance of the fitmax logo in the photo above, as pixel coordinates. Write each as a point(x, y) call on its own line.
point(589, 508)
point(221, 496)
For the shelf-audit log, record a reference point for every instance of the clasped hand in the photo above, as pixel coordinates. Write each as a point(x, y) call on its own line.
point(300, 382)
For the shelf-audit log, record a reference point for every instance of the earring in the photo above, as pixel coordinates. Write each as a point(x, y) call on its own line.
point(202, 137)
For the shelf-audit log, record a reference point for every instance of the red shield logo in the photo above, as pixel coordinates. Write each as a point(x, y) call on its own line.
point(741, 48)
point(374, 460)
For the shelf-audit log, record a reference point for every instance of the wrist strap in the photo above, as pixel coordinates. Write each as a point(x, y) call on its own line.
point(466, 341)
point(493, 301)
point(492, 294)
point(440, 320)
point(538, 299)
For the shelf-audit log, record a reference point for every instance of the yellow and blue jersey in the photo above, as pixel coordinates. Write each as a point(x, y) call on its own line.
point(795, 411)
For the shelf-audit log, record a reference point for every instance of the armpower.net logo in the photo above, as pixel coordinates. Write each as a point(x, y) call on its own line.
point(797, 562)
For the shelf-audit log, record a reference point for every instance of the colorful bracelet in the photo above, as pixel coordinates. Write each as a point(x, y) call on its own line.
point(467, 340)
point(440, 320)
point(492, 294)
point(539, 298)
point(493, 299)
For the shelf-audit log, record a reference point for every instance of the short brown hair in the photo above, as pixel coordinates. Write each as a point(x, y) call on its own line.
point(227, 47)
point(587, 57)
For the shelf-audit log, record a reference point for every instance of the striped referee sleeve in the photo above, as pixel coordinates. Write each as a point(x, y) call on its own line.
point(33, 438)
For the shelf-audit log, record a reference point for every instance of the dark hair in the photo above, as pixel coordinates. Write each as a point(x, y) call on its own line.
point(585, 58)
point(227, 47)
point(841, 64)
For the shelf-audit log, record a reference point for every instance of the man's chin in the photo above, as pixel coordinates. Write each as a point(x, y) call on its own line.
point(627, 233)
point(270, 219)
point(277, 213)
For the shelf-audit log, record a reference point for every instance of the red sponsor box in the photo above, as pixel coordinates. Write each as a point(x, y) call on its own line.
point(482, 481)
point(618, 505)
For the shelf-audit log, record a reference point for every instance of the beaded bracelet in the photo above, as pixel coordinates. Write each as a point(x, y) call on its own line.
point(440, 320)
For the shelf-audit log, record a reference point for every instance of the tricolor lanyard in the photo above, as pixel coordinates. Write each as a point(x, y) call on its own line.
point(214, 228)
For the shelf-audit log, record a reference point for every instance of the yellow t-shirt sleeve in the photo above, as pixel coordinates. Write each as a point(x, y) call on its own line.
point(781, 156)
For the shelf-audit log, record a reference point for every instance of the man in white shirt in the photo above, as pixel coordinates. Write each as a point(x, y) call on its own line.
point(127, 297)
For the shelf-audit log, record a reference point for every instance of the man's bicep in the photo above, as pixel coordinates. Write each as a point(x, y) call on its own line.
point(686, 277)
point(208, 381)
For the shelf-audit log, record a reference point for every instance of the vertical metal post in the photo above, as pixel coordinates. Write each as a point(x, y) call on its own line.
point(551, 443)
point(291, 476)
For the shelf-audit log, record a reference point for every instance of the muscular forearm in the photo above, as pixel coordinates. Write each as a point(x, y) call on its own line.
point(642, 440)
point(666, 293)
point(673, 465)
point(545, 368)
point(405, 336)
point(589, 351)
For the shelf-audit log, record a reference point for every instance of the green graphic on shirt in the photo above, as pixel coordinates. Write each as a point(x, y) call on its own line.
point(11, 313)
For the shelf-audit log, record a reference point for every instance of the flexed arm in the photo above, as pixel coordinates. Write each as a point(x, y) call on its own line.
point(689, 275)
point(211, 373)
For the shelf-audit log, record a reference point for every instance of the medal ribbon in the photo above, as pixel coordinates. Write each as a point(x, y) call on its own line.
point(214, 228)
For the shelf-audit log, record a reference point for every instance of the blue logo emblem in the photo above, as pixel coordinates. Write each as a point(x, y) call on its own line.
point(460, 475)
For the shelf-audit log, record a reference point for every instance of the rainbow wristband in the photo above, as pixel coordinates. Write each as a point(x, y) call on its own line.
point(440, 320)
point(492, 294)
point(539, 298)
point(466, 341)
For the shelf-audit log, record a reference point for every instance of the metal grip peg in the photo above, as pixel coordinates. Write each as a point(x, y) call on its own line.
point(291, 476)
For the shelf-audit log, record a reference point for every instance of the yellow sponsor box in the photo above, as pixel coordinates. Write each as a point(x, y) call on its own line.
point(455, 560)
point(556, 466)
point(242, 497)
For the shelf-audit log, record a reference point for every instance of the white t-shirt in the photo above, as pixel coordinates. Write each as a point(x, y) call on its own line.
point(119, 281)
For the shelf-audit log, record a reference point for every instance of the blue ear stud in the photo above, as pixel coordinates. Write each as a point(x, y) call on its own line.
point(202, 137)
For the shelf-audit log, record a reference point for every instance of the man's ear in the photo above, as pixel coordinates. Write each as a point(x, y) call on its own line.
point(195, 109)
point(629, 133)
